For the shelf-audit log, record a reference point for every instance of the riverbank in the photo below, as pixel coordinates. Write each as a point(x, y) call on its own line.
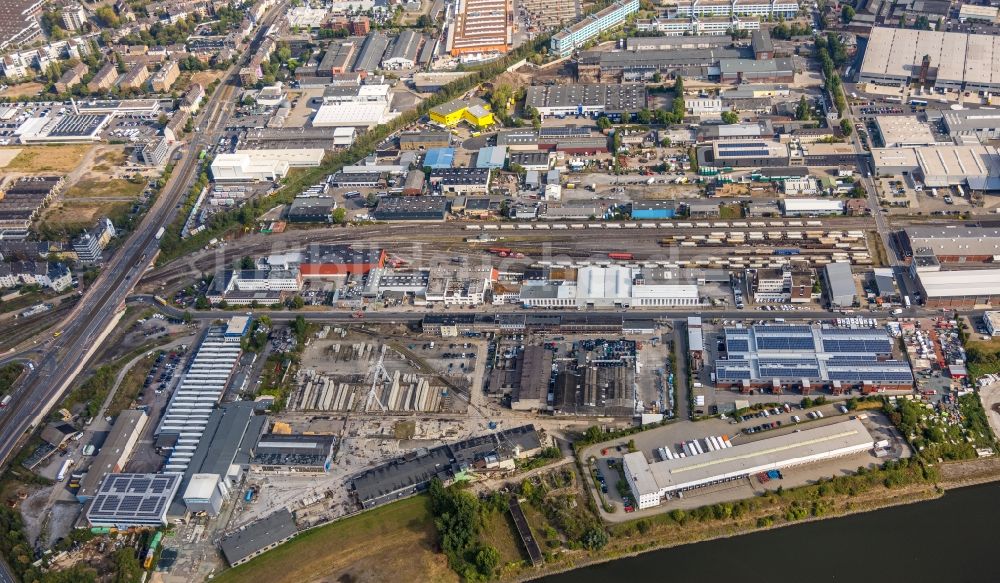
point(631, 539)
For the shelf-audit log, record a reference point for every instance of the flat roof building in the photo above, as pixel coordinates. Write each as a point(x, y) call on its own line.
point(904, 130)
point(981, 123)
point(293, 454)
point(480, 27)
point(975, 166)
point(133, 500)
point(959, 289)
point(954, 243)
point(115, 452)
point(258, 537)
point(263, 165)
point(591, 99)
point(807, 358)
point(954, 61)
point(651, 482)
point(412, 208)
point(564, 42)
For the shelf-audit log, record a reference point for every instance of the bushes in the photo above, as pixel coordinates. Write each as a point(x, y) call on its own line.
point(458, 517)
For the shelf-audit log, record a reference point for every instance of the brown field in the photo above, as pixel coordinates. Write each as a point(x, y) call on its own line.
point(23, 89)
point(62, 158)
point(205, 77)
point(75, 215)
point(104, 188)
point(108, 158)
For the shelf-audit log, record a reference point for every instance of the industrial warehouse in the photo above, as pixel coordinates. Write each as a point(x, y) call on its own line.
point(784, 357)
point(952, 61)
point(651, 482)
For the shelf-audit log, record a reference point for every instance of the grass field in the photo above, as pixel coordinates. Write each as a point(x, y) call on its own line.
point(105, 188)
point(63, 158)
point(391, 543)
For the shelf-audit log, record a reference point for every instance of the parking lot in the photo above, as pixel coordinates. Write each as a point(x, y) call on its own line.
point(607, 456)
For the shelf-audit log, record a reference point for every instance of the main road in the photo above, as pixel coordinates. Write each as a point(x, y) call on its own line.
point(82, 328)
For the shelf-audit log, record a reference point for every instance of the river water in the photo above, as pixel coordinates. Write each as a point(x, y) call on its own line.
point(953, 539)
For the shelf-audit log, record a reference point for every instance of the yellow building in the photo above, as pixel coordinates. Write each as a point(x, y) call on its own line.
point(475, 112)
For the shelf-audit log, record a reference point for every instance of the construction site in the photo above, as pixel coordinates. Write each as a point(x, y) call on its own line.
point(374, 377)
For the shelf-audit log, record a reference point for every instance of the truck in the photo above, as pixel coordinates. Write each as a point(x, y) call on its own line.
point(63, 469)
point(5, 402)
point(906, 301)
point(897, 311)
point(159, 233)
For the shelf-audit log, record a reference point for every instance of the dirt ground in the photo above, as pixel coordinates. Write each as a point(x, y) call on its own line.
point(205, 77)
point(74, 215)
point(37, 159)
point(7, 155)
point(22, 90)
point(94, 187)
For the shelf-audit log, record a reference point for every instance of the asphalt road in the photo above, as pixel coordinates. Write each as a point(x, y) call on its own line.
point(96, 309)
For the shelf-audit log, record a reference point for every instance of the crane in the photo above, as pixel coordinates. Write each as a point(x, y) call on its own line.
point(378, 371)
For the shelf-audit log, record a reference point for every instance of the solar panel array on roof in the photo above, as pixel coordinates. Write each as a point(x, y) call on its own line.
point(126, 500)
point(792, 353)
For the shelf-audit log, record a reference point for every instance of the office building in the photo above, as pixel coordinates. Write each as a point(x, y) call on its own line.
point(473, 111)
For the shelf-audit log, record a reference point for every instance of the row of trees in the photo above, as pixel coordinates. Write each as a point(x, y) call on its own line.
point(832, 54)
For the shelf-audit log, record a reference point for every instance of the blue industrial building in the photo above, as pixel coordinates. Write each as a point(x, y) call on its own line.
point(493, 157)
point(438, 158)
point(654, 209)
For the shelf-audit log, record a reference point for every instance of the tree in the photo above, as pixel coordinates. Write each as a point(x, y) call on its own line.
point(339, 216)
point(297, 304)
point(595, 538)
point(487, 561)
point(803, 112)
point(127, 567)
point(730, 117)
point(186, 317)
point(846, 14)
point(247, 263)
point(845, 127)
point(603, 123)
point(202, 303)
point(645, 116)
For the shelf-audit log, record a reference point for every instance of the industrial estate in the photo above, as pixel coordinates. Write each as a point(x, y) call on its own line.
point(483, 290)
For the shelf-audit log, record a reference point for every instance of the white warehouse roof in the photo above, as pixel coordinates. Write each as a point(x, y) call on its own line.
point(354, 114)
point(809, 445)
point(813, 204)
point(965, 283)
